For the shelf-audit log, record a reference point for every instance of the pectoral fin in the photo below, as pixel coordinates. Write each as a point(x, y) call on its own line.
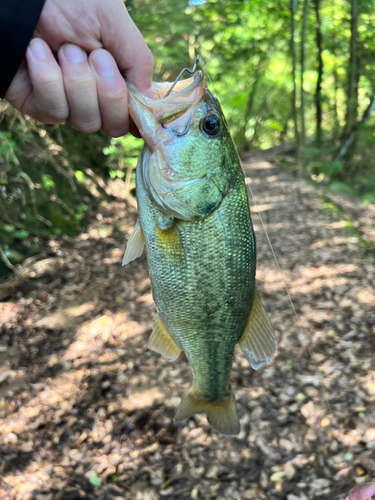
point(221, 414)
point(135, 245)
point(161, 341)
point(258, 342)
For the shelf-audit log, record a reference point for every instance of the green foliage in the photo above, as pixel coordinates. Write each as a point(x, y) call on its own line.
point(94, 479)
point(80, 212)
point(8, 148)
point(122, 154)
point(48, 182)
point(245, 46)
point(46, 187)
point(358, 172)
point(80, 176)
point(325, 171)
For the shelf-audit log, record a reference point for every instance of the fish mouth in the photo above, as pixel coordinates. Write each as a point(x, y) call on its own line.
point(182, 90)
point(161, 119)
point(182, 87)
point(177, 109)
point(173, 113)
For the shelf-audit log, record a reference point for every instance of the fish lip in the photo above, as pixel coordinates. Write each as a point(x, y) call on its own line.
point(197, 78)
point(183, 87)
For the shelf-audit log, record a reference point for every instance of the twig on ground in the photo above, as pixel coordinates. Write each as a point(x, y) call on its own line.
point(6, 261)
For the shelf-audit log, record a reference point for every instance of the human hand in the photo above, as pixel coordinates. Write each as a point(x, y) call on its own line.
point(96, 42)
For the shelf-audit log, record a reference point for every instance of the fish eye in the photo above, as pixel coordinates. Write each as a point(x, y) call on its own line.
point(210, 125)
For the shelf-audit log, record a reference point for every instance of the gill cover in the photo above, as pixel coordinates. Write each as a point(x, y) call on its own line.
point(181, 166)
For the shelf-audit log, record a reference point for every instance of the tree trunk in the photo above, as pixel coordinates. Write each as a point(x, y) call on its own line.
point(366, 115)
point(318, 90)
point(335, 77)
point(249, 110)
point(303, 119)
point(353, 76)
point(303, 42)
point(293, 8)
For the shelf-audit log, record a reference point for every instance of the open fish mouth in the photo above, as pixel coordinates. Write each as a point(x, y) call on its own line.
point(173, 112)
point(183, 87)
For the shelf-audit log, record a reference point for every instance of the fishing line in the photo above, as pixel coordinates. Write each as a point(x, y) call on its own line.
point(207, 73)
point(297, 318)
point(298, 321)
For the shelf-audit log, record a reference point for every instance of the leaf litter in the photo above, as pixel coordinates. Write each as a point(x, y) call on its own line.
point(86, 411)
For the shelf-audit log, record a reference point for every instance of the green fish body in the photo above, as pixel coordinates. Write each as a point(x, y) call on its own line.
point(194, 219)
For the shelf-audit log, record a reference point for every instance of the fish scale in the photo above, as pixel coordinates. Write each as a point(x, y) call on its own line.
point(194, 219)
point(192, 295)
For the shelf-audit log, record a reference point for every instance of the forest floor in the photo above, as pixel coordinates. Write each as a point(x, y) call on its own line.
point(86, 410)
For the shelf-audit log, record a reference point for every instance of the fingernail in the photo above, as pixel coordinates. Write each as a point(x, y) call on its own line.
point(38, 49)
point(74, 53)
point(104, 65)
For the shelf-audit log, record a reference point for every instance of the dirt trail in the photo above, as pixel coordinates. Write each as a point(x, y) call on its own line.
point(86, 411)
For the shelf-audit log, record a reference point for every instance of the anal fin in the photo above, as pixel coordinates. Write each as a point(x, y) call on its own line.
point(135, 245)
point(258, 343)
point(221, 414)
point(161, 341)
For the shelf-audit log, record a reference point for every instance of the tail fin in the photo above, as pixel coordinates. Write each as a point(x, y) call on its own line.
point(221, 414)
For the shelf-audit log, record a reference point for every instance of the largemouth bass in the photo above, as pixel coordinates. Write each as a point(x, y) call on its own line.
point(194, 219)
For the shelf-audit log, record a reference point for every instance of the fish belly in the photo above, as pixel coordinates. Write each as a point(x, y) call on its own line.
point(203, 282)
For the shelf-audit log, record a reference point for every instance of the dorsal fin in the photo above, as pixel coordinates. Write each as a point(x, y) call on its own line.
point(258, 342)
point(135, 245)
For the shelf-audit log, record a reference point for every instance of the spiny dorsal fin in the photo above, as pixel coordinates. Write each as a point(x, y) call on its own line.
point(222, 414)
point(160, 341)
point(258, 342)
point(135, 245)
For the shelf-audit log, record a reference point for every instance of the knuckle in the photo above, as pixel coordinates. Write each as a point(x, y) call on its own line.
point(50, 81)
point(115, 99)
point(88, 127)
point(59, 114)
point(52, 114)
point(81, 81)
point(56, 118)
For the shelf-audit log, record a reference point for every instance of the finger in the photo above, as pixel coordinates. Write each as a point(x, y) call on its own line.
point(80, 88)
point(112, 93)
point(20, 88)
point(46, 100)
point(123, 40)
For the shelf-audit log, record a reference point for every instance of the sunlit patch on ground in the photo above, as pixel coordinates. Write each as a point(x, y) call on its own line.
point(8, 310)
point(65, 315)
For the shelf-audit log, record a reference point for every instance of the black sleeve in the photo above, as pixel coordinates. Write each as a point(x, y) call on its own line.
point(18, 19)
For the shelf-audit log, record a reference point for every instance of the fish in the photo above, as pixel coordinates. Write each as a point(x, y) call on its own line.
point(362, 492)
point(195, 222)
